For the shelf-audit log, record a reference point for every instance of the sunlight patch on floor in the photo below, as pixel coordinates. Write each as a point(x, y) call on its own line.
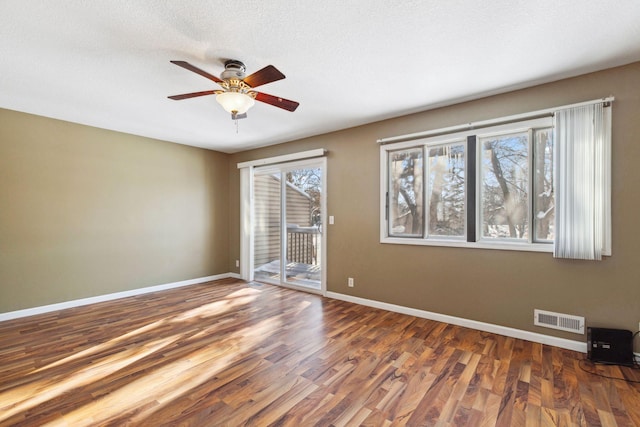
point(240, 297)
point(104, 346)
point(23, 398)
point(170, 381)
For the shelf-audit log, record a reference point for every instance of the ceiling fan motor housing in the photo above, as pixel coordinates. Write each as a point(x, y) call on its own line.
point(233, 69)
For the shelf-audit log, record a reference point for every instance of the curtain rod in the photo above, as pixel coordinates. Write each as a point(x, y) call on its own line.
point(491, 122)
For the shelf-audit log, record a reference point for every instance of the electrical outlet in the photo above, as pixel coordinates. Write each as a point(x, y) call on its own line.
point(350, 282)
point(237, 263)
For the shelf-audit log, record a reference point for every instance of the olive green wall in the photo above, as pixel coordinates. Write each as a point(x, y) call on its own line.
point(86, 212)
point(498, 287)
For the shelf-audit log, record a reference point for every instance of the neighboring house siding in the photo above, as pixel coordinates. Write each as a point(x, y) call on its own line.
point(267, 215)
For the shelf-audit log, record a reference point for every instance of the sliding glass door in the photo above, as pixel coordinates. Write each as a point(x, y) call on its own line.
point(288, 208)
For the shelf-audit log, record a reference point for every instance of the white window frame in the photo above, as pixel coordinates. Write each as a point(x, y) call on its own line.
point(452, 137)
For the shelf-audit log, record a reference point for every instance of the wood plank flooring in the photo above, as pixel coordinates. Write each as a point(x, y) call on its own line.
point(228, 353)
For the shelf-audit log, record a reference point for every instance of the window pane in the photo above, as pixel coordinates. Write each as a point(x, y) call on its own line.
point(504, 191)
point(266, 226)
point(543, 200)
point(405, 192)
point(447, 191)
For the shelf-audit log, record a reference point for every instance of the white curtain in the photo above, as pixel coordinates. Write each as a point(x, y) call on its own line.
point(582, 181)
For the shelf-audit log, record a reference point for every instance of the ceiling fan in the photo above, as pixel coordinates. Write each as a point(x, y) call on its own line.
point(237, 94)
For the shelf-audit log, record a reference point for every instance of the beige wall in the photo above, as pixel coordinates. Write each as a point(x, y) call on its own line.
point(499, 287)
point(86, 211)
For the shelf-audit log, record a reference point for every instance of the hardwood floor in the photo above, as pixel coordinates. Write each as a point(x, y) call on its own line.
point(228, 353)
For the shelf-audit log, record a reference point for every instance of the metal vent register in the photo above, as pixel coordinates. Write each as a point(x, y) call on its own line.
point(563, 322)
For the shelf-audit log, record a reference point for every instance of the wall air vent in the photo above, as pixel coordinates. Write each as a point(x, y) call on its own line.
point(563, 322)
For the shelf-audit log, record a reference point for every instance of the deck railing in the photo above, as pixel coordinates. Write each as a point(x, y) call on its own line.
point(303, 244)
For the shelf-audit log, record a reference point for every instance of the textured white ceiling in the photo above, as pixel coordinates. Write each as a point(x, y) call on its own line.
point(105, 63)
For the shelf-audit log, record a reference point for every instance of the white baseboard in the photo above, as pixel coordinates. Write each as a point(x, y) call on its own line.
point(467, 323)
point(108, 297)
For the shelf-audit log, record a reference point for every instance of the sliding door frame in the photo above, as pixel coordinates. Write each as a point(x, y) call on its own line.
point(285, 163)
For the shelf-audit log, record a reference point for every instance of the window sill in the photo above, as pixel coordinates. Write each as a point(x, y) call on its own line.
point(505, 246)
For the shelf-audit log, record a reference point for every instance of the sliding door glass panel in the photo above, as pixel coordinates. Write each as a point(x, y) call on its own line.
point(287, 234)
point(267, 226)
point(303, 195)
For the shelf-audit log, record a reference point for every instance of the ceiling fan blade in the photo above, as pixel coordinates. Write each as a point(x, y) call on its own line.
point(196, 70)
point(276, 101)
point(191, 95)
point(261, 77)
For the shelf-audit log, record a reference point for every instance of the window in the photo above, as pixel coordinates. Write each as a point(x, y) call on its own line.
point(504, 191)
point(405, 184)
point(543, 184)
point(537, 184)
point(491, 187)
point(446, 192)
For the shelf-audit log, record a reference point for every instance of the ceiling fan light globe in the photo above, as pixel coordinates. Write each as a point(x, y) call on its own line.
point(235, 102)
